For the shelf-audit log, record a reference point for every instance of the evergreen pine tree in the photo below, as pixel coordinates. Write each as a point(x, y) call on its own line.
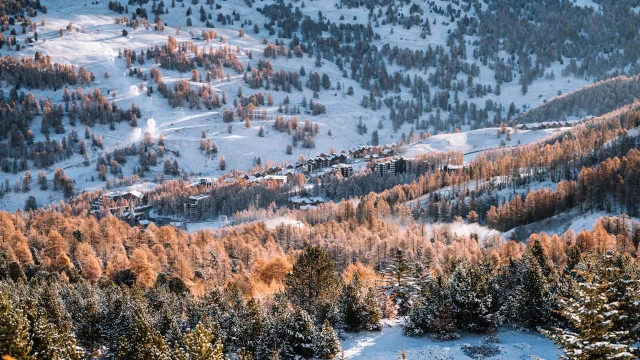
point(313, 284)
point(298, 335)
point(242, 321)
point(433, 313)
point(626, 291)
point(14, 330)
point(326, 344)
point(593, 311)
point(144, 343)
point(287, 332)
point(472, 302)
point(573, 259)
point(198, 344)
point(532, 302)
point(52, 342)
point(87, 321)
point(399, 282)
point(537, 251)
point(351, 314)
point(371, 311)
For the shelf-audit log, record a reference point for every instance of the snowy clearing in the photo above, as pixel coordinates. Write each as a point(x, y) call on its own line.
point(389, 343)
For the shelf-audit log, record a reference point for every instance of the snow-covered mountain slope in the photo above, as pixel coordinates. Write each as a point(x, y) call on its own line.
point(473, 142)
point(96, 40)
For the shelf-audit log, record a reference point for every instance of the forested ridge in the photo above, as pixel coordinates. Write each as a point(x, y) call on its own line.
point(118, 292)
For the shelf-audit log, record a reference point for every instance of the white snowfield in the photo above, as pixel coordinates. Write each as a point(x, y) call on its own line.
point(472, 143)
point(389, 343)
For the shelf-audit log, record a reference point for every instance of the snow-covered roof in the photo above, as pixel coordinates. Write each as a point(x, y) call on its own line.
point(116, 194)
point(136, 193)
point(306, 200)
point(199, 197)
point(275, 177)
point(339, 166)
point(456, 167)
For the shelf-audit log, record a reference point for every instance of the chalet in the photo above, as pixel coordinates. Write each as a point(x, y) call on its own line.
point(451, 168)
point(360, 152)
point(119, 203)
point(274, 170)
point(290, 175)
point(126, 213)
point(310, 165)
point(134, 195)
point(319, 174)
point(279, 179)
point(141, 212)
point(207, 181)
point(298, 202)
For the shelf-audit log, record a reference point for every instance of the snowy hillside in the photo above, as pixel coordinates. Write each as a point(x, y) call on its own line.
point(473, 142)
point(96, 40)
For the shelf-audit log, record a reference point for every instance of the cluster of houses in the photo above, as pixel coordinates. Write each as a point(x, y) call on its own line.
point(342, 163)
point(303, 203)
point(545, 125)
point(321, 165)
point(451, 168)
point(322, 161)
point(129, 205)
point(260, 177)
point(370, 153)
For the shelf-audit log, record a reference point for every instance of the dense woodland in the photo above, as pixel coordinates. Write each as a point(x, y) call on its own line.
point(117, 291)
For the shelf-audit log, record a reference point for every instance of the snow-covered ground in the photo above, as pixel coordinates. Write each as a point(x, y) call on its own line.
point(471, 143)
point(560, 223)
point(464, 229)
point(224, 221)
point(388, 344)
